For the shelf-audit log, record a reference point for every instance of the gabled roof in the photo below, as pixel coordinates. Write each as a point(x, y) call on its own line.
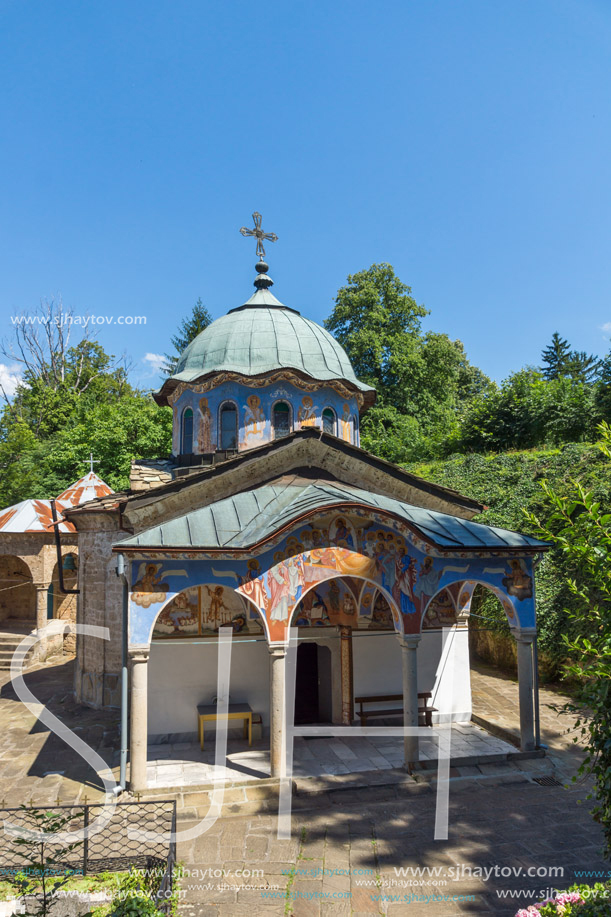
point(250, 518)
point(36, 515)
point(321, 454)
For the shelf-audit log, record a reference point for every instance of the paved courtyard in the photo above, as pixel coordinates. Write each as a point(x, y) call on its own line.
point(352, 833)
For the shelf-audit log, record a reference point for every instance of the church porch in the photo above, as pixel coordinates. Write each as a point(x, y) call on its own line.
point(184, 764)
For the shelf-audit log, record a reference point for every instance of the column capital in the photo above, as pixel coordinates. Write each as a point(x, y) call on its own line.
point(139, 653)
point(526, 634)
point(277, 649)
point(409, 641)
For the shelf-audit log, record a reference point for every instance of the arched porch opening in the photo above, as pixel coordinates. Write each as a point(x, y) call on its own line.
point(183, 660)
point(459, 607)
point(17, 593)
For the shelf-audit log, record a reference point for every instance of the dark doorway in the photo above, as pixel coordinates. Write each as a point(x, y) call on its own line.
point(313, 684)
point(306, 684)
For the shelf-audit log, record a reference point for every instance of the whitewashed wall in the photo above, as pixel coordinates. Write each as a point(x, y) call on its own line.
point(183, 675)
point(377, 670)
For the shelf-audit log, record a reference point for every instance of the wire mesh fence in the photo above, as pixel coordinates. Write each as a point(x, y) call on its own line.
point(111, 849)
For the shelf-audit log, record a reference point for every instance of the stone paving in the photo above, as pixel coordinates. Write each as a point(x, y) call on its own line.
point(378, 821)
point(35, 764)
point(184, 764)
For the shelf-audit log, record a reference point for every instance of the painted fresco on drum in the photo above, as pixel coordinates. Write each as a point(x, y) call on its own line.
point(253, 417)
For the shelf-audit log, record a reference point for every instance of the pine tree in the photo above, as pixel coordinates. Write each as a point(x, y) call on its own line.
point(582, 367)
point(555, 357)
point(188, 329)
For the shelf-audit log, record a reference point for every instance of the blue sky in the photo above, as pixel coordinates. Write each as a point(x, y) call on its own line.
point(467, 143)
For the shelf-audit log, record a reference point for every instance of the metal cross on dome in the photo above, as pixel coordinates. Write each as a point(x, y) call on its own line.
point(259, 235)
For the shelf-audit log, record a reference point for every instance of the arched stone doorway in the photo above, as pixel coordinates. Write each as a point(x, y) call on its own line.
point(17, 593)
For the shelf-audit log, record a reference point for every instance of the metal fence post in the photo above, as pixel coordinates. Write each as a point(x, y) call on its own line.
point(86, 840)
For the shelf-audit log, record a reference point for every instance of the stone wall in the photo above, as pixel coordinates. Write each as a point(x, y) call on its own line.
point(100, 602)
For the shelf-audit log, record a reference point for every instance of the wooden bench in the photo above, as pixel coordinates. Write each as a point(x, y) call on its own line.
point(425, 710)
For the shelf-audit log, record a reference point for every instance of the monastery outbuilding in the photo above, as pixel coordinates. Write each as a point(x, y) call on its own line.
point(267, 516)
point(31, 574)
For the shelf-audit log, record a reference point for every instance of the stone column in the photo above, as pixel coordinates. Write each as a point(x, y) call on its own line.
point(409, 659)
point(138, 727)
point(277, 700)
point(524, 641)
point(347, 678)
point(41, 606)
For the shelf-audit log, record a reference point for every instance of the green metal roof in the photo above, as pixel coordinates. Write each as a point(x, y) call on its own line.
point(247, 518)
point(262, 336)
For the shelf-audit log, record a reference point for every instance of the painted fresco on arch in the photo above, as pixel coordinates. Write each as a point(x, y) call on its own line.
point(518, 582)
point(308, 414)
point(200, 611)
point(206, 435)
point(256, 427)
point(341, 533)
point(329, 604)
point(375, 612)
point(275, 580)
point(180, 617)
point(151, 587)
point(441, 611)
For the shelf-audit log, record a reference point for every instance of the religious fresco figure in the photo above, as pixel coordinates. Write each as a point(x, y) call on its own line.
point(217, 612)
point(345, 424)
point(306, 415)
point(440, 612)
point(254, 422)
point(406, 580)
point(518, 582)
point(180, 617)
point(381, 618)
point(149, 588)
point(204, 431)
point(342, 533)
point(251, 585)
point(428, 581)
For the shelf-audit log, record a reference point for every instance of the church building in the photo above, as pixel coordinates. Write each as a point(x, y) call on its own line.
point(267, 516)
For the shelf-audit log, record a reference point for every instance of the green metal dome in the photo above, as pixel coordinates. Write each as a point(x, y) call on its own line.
point(260, 337)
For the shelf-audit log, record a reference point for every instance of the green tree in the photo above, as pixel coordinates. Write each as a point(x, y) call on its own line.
point(46, 864)
point(188, 330)
point(582, 367)
point(527, 411)
point(555, 357)
point(581, 529)
point(603, 392)
point(422, 379)
point(70, 403)
point(377, 321)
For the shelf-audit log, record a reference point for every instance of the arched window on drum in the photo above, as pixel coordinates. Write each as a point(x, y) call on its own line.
point(186, 439)
point(229, 426)
point(329, 424)
point(281, 419)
